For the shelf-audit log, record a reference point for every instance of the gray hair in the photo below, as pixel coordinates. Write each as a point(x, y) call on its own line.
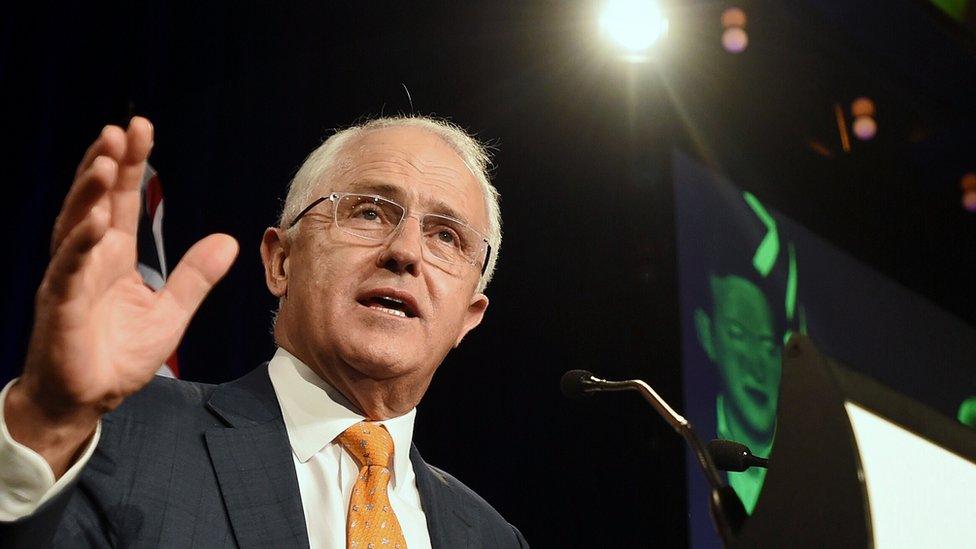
point(474, 155)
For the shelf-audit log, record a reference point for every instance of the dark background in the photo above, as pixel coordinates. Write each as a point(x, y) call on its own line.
point(239, 93)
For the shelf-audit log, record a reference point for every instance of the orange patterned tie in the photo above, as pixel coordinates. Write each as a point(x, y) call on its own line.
point(370, 523)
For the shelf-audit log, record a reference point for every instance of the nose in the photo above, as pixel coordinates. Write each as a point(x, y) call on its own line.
point(402, 252)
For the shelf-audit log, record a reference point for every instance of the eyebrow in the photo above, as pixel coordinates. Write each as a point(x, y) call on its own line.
point(394, 192)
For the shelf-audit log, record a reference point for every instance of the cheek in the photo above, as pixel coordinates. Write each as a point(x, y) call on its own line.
point(320, 279)
point(450, 301)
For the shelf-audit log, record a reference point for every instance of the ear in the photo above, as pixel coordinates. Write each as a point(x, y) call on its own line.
point(274, 255)
point(473, 316)
point(703, 326)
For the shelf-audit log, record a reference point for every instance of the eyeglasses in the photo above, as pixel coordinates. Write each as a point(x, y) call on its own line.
point(376, 218)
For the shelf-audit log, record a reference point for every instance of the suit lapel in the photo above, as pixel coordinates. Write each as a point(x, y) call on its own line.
point(449, 521)
point(252, 459)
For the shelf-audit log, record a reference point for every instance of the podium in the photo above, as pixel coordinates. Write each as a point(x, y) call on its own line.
point(856, 464)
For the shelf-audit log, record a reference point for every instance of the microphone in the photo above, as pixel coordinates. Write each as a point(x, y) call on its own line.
point(726, 508)
point(730, 455)
point(576, 384)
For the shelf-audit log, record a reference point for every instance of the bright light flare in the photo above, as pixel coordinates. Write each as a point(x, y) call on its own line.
point(635, 25)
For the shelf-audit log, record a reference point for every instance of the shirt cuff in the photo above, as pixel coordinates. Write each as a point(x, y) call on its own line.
point(26, 479)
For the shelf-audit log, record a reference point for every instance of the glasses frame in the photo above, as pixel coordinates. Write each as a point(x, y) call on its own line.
point(335, 196)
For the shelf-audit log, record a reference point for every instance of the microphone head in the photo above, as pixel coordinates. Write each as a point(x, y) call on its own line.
point(572, 383)
point(730, 455)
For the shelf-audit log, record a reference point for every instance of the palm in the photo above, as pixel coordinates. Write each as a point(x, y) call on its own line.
point(100, 333)
point(113, 334)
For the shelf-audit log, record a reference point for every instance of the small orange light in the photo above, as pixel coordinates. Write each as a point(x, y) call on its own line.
point(733, 17)
point(862, 106)
point(968, 182)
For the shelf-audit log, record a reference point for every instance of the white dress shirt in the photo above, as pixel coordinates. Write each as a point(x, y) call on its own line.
point(314, 414)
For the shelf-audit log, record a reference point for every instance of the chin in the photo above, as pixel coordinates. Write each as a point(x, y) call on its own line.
point(382, 361)
point(762, 426)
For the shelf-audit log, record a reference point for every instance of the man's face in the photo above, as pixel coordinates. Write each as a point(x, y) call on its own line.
point(746, 351)
point(331, 314)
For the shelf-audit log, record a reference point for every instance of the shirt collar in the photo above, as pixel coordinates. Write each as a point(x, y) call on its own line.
point(315, 413)
point(723, 430)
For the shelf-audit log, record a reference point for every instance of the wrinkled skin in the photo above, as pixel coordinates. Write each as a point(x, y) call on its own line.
point(382, 363)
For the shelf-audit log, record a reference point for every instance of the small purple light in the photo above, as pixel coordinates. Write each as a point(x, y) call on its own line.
point(865, 128)
point(735, 40)
point(969, 201)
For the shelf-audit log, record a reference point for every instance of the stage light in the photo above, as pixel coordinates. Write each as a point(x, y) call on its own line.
point(634, 25)
point(734, 37)
point(865, 128)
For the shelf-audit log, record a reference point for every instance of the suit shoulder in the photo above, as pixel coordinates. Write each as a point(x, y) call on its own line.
point(497, 531)
point(164, 396)
point(503, 534)
point(462, 489)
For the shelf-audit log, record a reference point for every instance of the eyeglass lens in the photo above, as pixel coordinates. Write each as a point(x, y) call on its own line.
point(376, 218)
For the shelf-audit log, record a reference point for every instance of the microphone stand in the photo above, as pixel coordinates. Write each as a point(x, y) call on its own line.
point(726, 508)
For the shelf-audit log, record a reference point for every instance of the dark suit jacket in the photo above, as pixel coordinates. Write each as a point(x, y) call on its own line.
point(183, 464)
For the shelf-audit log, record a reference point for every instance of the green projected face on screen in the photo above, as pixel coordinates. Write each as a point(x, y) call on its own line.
point(739, 338)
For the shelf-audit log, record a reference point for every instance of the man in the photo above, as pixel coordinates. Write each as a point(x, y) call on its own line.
point(741, 336)
point(739, 339)
point(388, 237)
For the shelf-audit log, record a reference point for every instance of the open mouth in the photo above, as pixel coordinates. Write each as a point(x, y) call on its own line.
point(758, 396)
point(389, 304)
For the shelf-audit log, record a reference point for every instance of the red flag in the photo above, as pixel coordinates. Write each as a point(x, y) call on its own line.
point(151, 260)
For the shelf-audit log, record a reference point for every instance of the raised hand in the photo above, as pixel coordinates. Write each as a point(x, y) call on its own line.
point(99, 333)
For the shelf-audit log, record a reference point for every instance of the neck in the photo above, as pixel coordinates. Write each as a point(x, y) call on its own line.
point(376, 399)
point(738, 431)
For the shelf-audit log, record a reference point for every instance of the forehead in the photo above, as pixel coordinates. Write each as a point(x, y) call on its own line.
point(740, 299)
point(413, 166)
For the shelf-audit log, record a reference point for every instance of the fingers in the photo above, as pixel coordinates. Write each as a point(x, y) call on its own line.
point(113, 164)
point(132, 165)
point(63, 278)
point(200, 269)
point(110, 143)
point(91, 186)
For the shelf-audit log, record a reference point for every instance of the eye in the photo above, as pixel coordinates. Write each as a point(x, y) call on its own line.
point(447, 236)
point(368, 212)
point(736, 331)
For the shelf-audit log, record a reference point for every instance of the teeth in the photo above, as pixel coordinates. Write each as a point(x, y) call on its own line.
point(393, 299)
point(393, 312)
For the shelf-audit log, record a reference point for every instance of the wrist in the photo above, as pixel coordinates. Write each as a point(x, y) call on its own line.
point(57, 435)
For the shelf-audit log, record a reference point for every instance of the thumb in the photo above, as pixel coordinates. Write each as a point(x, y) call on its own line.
point(200, 269)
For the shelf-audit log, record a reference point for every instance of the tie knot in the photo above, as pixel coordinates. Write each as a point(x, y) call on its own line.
point(369, 443)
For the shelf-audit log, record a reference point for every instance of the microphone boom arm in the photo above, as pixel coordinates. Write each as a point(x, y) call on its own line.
point(725, 506)
point(678, 422)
